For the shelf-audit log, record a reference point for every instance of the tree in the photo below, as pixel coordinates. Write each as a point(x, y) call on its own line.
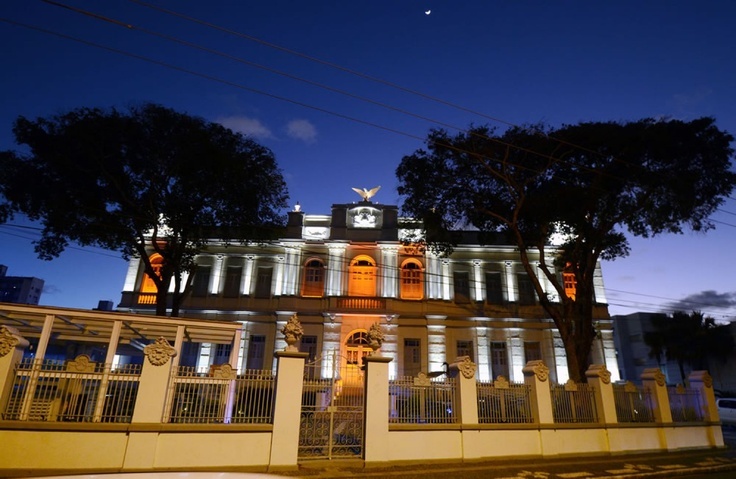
point(533, 184)
point(140, 181)
point(688, 339)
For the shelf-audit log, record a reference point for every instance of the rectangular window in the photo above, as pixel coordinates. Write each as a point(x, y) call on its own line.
point(232, 281)
point(222, 353)
point(461, 282)
point(570, 284)
point(263, 283)
point(201, 280)
point(527, 295)
point(465, 348)
point(412, 357)
point(499, 360)
point(256, 351)
point(532, 350)
point(308, 345)
point(494, 288)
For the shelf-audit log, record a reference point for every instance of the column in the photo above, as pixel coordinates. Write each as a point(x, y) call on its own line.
point(130, 277)
point(216, 276)
point(510, 282)
point(286, 410)
point(445, 277)
point(478, 290)
point(389, 272)
point(278, 273)
point(483, 354)
point(246, 282)
point(598, 288)
point(599, 378)
point(335, 269)
point(536, 376)
point(653, 380)
point(436, 347)
point(291, 270)
point(433, 278)
point(390, 345)
point(376, 443)
point(516, 352)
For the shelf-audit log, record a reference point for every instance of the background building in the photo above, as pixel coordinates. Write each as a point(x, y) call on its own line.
point(19, 289)
point(633, 354)
point(345, 271)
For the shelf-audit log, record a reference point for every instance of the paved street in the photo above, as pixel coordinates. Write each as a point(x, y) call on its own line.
point(696, 464)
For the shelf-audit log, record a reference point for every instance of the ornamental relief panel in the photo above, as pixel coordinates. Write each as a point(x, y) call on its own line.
point(159, 352)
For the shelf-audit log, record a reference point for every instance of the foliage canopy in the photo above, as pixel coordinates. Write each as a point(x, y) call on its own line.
point(149, 177)
point(580, 186)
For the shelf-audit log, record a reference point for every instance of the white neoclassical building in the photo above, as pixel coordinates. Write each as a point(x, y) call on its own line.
point(344, 271)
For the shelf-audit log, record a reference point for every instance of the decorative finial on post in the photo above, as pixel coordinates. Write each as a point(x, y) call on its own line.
point(292, 332)
point(375, 337)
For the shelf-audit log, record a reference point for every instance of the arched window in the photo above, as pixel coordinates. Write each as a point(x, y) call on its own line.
point(362, 276)
point(412, 280)
point(357, 347)
point(313, 284)
point(148, 287)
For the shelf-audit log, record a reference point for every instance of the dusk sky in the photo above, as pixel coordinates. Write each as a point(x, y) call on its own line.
point(342, 90)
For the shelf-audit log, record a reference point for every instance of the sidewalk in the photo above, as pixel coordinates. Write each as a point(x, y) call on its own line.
point(661, 465)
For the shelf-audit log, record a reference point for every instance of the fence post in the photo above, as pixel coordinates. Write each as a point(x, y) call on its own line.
point(653, 379)
point(12, 345)
point(599, 378)
point(467, 392)
point(154, 382)
point(376, 444)
point(287, 408)
point(536, 376)
point(702, 382)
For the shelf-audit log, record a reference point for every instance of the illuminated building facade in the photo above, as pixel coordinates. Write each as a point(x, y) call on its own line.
point(342, 272)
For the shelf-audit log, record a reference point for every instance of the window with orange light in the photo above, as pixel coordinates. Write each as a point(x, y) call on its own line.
point(362, 276)
point(570, 285)
point(313, 284)
point(148, 285)
point(412, 280)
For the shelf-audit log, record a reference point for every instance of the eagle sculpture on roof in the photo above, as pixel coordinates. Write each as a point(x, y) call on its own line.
point(367, 194)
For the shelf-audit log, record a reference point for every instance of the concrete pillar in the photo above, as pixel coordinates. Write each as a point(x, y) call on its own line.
point(154, 382)
point(599, 378)
point(375, 439)
point(536, 376)
point(12, 345)
point(463, 370)
point(653, 380)
point(702, 382)
point(286, 410)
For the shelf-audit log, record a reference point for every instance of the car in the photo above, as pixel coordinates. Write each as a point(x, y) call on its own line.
point(727, 411)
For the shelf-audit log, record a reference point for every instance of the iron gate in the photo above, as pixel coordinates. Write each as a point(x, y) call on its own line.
point(331, 425)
